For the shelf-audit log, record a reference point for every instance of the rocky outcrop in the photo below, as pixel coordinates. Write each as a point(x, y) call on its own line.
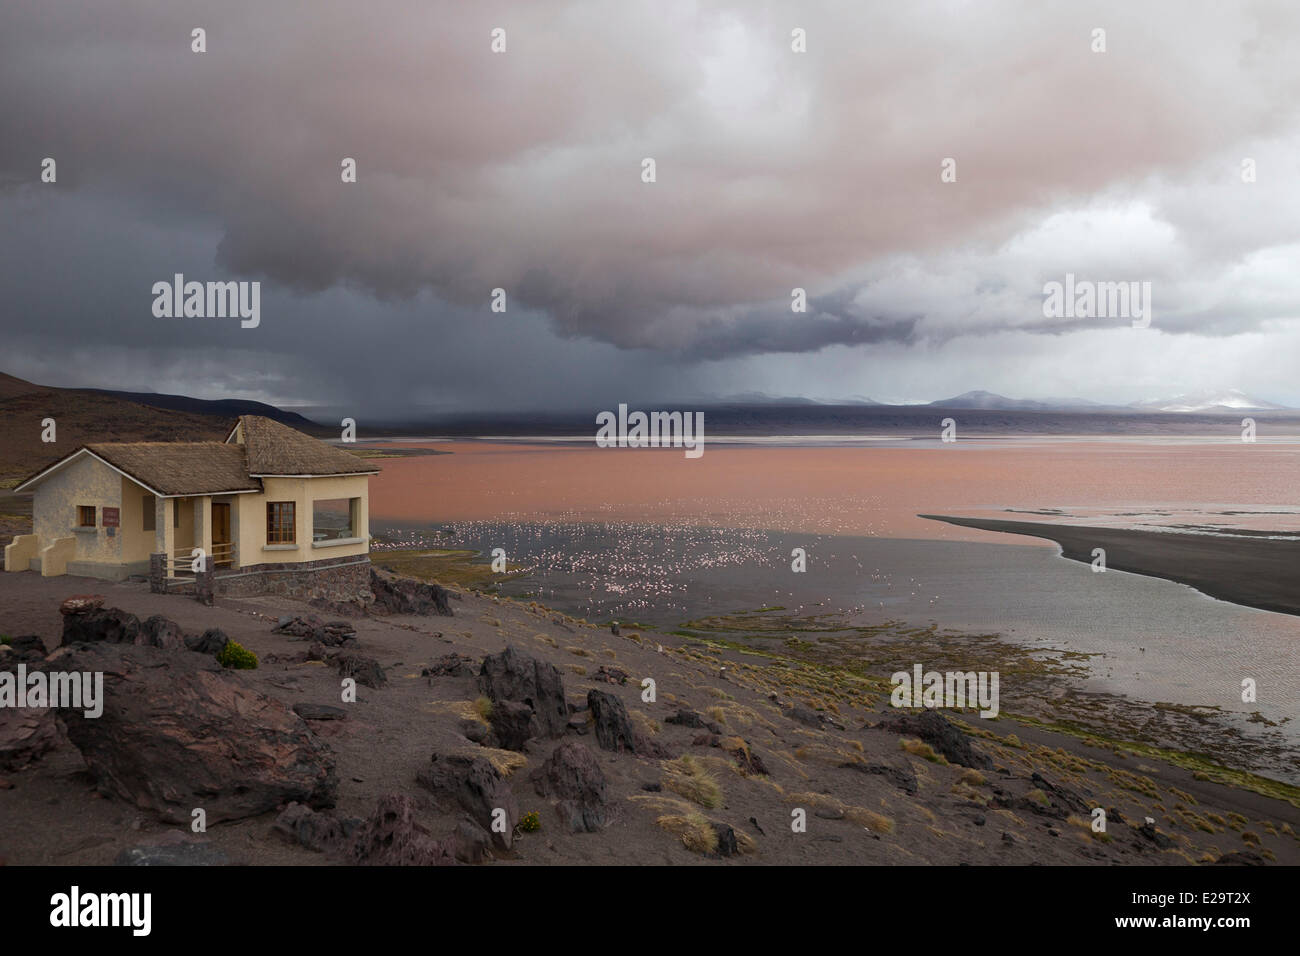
point(178, 733)
point(212, 641)
point(931, 727)
point(512, 724)
point(477, 787)
point(328, 633)
point(364, 670)
point(515, 676)
point(26, 735)
point(573, 775)
point(450, 665)
point(28, 649)
point(393, 837)
point(689, 718)
point(316, 830)
point(394, 595)
point(162, 632)
point(903, 776)
point(93, 624)
point(87, 621)
point(612, 727)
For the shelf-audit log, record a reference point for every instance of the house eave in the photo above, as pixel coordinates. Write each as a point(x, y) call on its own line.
point(341, 474)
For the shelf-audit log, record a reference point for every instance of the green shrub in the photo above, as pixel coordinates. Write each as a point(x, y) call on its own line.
point(530, 822)
point(234, 655)
point(6, 639)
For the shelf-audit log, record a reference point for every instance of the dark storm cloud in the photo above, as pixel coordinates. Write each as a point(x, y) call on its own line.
point(521, 170)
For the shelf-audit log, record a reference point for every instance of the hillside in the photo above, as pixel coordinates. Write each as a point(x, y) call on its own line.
point(83, 416)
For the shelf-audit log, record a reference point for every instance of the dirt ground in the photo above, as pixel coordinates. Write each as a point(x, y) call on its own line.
point(50, 812)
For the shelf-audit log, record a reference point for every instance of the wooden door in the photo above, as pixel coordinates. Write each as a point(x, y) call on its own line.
point(221, 534)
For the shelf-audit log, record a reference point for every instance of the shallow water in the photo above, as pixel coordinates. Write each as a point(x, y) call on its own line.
point(1156, 640)
point(646, 535)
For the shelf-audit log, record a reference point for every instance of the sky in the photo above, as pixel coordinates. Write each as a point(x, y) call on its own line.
point(775, 169)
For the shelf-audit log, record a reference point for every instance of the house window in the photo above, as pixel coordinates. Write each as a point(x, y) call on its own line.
point(280, 522)
point(85, 516)
point(148, 513)
point(333, 518)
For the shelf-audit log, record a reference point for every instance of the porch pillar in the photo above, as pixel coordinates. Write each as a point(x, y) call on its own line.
point(203, 525)
point(164, 534)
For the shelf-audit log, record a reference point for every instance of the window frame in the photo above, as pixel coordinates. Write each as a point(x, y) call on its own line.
point(81, 516)
point(275, 522)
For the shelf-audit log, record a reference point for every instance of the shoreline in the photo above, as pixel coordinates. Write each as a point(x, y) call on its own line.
point(1250, 571)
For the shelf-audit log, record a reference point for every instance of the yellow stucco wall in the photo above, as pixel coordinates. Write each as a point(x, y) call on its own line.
point(251, 534)
point(137, 544)
point(85, 481)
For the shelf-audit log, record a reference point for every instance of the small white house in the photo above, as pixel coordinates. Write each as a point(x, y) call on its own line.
point(269, 498)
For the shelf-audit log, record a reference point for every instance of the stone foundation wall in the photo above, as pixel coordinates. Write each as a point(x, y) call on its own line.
point(345, 579)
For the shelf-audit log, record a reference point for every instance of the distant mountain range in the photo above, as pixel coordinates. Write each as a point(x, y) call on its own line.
point(1220, 400)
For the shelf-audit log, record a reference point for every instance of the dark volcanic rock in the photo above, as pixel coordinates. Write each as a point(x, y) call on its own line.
point(475, 730)
point(931, 727)
point(512, 724)
point(28, 649)
point(328, 633)
point(210, 641)
point(450, 665)
point(26, 733)
point(573, 774)
point(1149, 831)
point(610, 723)
point(365, 670)
point(689, 718)
point(470, 843)
point(162, 632)
point(1061, 796)
point(318, 831)
point(747, 759)
point(903, 777)
point(394, 595)
point(727, 845)
point(610, 675)
point(393, 837)
point(320, 711)
point(613, 729)
point(477, 788)
point(514, 675)
point(108, 625)
point(178, 733)
point(1240, 858)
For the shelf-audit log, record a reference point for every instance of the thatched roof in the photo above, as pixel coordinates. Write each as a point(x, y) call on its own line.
point(181, 468)
point(275, 449)
point(267, 448)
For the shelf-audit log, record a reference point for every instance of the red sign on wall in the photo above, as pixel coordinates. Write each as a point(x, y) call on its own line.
point(111, 518)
